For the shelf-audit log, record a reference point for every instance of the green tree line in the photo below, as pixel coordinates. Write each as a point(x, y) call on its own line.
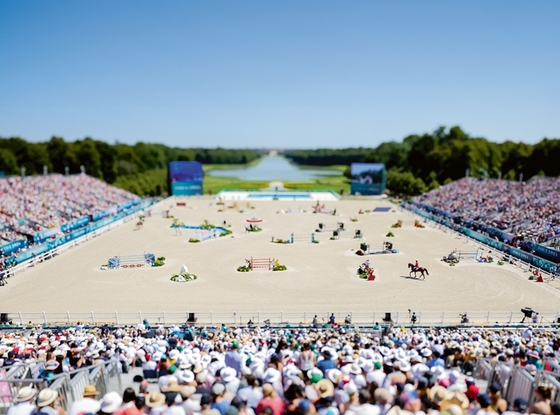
point(422, 162)
point(140, 168)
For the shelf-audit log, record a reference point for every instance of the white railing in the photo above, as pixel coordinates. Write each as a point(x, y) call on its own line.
point(294, 319)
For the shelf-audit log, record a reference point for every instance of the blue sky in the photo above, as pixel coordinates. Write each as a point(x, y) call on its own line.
point(278, 73)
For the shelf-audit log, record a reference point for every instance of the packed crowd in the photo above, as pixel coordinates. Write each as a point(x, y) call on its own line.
point(33, 204)
point(528, 210)
point(263, 371)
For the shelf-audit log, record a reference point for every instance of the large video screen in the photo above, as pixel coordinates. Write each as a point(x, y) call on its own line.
point(186, 178)
point(368, 178)
point(185, 171)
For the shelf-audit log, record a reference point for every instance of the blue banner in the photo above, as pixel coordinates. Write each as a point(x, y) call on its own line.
point(545, 252)
point(13, 246)
point(75, 224)
point(186, 188)
point(128, 205)
point(44, 235)
point(65, 227)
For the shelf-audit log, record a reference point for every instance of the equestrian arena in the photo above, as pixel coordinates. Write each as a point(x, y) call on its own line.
point(319, 276)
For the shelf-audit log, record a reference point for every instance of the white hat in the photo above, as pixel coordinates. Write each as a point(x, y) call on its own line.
point(438, 371)
point(350, 388)
point(291, 371)
point(228, 374)
point(314, 371)
point(271, 375)
point(405, 366)
point(426, 352)
point(419, 369)
point(216, 366)
point(46, 397)
point(186, 376)
point(400, 354)
point(25, 394)
point(333, 374)
point(355, 369)
point(384, 350)
point(454, 376)
point(111, 402)
point(367, 366)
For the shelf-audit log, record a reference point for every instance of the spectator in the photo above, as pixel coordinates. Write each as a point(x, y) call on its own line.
point(47, 403)
point(23, 402)
point(88, 404)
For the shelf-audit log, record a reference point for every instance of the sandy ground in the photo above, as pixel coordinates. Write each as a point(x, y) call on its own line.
point(319, 276)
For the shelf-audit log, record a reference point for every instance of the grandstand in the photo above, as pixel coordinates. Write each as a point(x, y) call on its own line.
point(524, 211)
point(41, 209)
point(455, 370)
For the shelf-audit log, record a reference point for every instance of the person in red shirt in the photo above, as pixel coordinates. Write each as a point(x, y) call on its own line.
point(270, 400)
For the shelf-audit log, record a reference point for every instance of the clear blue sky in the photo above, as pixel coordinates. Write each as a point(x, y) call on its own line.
point(278, 73)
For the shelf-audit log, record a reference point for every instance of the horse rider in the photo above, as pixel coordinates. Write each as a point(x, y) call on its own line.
point(416, 266)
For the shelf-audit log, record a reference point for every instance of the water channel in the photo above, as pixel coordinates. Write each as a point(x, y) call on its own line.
point(274, 168)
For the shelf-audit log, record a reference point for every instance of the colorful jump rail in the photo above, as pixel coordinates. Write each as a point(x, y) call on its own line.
point(132, 261)
point(446, 219)
point(261, 263)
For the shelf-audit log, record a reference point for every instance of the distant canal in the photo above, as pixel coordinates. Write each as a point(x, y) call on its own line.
point(274, 168)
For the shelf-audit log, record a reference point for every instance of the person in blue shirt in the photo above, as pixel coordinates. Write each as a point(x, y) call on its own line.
point(436, 360)
point(220, 403)
point(327, 363)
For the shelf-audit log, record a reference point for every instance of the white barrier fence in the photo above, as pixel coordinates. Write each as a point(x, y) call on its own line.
point(424, 318)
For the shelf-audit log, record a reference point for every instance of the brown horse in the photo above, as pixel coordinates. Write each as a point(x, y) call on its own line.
point(416, 270)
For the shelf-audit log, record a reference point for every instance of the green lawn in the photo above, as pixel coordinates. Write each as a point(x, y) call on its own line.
point(338, 167)
point(213, 184)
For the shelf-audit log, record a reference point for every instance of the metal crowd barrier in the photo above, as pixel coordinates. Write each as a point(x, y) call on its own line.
point(515, 381)
point(70, 386)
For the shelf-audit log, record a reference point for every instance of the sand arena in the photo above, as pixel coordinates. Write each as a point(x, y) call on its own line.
point(319, 277)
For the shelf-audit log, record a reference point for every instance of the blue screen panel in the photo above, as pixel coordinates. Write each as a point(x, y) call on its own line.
point(368, 178)
point(185, 171)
